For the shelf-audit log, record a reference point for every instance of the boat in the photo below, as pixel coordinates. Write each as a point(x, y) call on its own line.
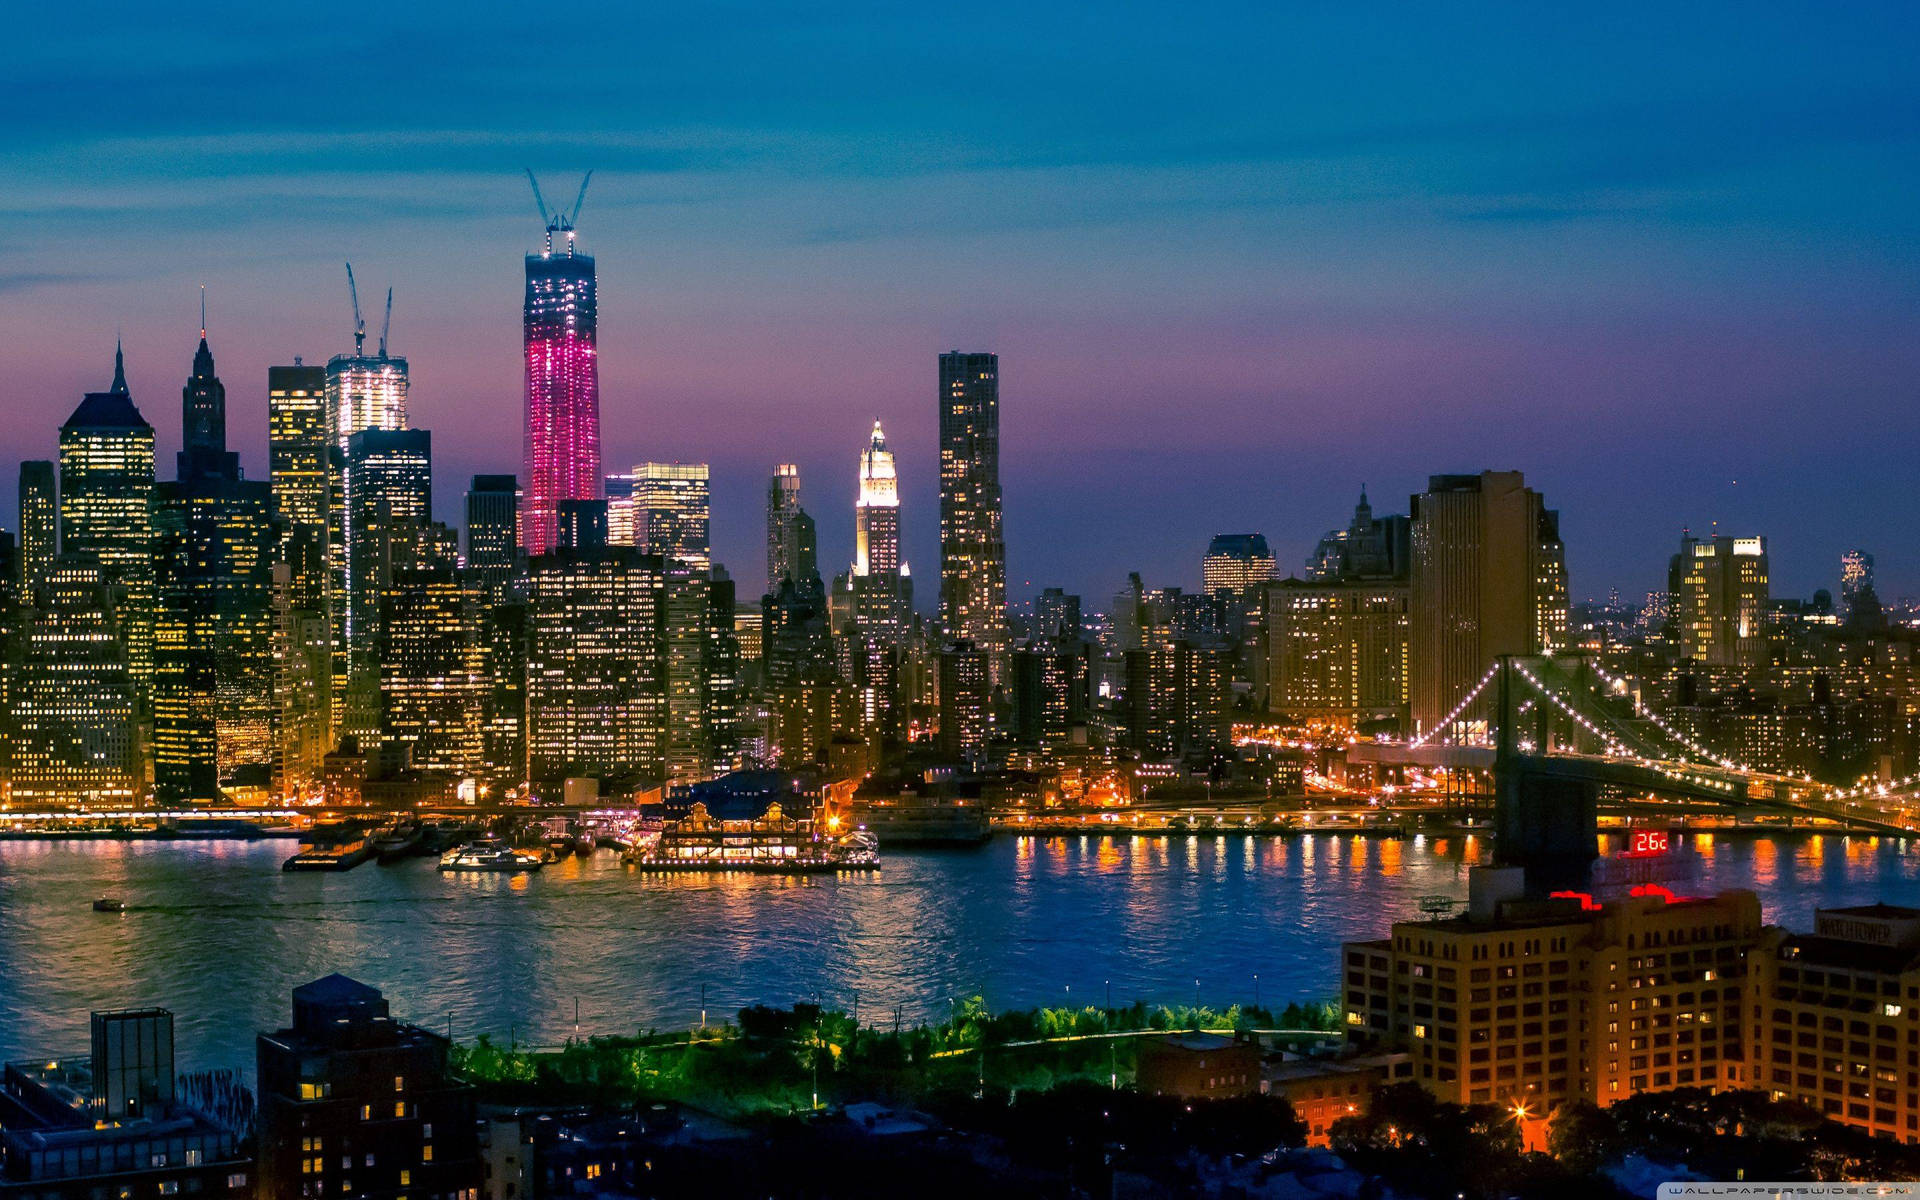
point(108, 904)
point(771, 844)
point(344, 856)
point(398, 840)
point(491, 854)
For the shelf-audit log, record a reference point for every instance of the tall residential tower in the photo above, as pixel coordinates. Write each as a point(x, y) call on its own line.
point(973, 553)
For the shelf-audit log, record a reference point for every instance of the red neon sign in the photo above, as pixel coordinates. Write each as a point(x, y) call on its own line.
point(1648, 843)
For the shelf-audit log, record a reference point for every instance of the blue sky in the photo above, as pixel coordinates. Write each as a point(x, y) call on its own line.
point(1236, 259)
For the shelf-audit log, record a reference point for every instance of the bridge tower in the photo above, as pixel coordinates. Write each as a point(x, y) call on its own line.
point(1545, 819)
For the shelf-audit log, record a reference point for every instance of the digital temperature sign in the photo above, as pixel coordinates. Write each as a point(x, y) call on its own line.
point(1648, 843)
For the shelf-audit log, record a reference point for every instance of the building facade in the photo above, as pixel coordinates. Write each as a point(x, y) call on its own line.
point(1720, 595)
point(561, 325)
point(973, 553)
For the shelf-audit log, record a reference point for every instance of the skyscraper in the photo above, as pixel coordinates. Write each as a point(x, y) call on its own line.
point(973, 556)
point(1235, 560)
point(563, 382)
point(389, 489)
point(783, 505)
point(1856, 573)
point(72, 732)
point(431, 656)
point(39, 524)
point(493, 550)
point(298, 451)
point(106, 497)
point(302, 691)
point(1720, 593)
point(214, 543)
point(671, 512)
point(876, 514)
point(1488, 578)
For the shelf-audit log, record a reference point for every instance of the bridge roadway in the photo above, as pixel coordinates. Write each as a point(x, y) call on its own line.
point(1692, 781)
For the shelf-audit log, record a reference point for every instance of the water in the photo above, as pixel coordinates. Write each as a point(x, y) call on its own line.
point(219, 934)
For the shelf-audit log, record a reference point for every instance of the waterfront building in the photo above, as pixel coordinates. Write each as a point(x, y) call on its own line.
point(493, 547)
point(106, 498)
point(1836, 1015)
point(214, 545)
point(389, 492)
point(1534, 1003)
point(1178, 700)
point(117, 1122)
point(302, 693)
point(354, 1102)
point(72, 735)
point(1488, 577)
point(1234, 562)
point(783, 506)
point(671, 513)
point(1198, 1066)
point(432, 664)
point(596, 665)
point(973, 554)
point(966, 713)
point(1720, 596)
point(561, 325)
point(39, 524)
point(1051, 694)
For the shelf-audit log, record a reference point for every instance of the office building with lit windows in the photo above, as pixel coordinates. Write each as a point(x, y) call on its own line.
point(783, 505)
point(39, 524)
point(389, 493)
point(1234, 562)
point(73, 731)
point(1337, 651)
point(561, 327)
point(1488, 577)
point(1531, 1003)
point(353, 1102)
point(106, 495)
point(364, 392)
point(672, 511)
point(432, 661)
point(493, 545)
point(973, 552)
point(1720, 596)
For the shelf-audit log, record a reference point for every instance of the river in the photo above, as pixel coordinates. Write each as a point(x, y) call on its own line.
point(218, 933)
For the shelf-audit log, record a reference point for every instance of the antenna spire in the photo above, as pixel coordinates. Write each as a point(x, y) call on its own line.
point(203, 312)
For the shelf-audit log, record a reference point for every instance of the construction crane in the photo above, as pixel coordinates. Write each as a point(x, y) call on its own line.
point(359, 326)
point(386, 324)
point(555, 220)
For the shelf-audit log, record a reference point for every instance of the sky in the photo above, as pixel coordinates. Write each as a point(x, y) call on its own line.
point(1237, 260)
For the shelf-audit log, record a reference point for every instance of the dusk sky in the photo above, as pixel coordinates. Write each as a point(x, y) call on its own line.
point(1236, 260)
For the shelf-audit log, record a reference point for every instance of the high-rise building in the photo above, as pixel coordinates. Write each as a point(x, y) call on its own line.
point(880, 587)
point(1488, 578)
point(1856, 576)
point(596, 665)
point(106, 498)
point(504, 714)
point(298, 452)
point(620, 519)
point(671, 512)
point(1369, 547)
point(1056, 616)
point(72, 735)
point(966, 713)
point(973, 554)
point(303, 691)
point(1234, 562)
point(353, 1102)
point(563, 384)
point(389, 492)
point(364, 392)
point(1178, 697)
point(1720, 596)
point(1050, 692)
point(721, 670)
point(1337, 650)
point(783, 504)
point(687, 599)
point(214, 545)
point(39, 524)
point(431, 658)
point(493, 549)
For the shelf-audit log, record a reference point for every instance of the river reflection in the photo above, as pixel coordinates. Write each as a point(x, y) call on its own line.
point(219, 934)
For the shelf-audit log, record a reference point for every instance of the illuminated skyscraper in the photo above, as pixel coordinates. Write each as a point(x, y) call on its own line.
point(671, 512)
point(783, 505)
point(106, 497)
point(1488, 578)
point(1235, 560)
point(298, 451)
point(214, 542)
point(303, 691)
point(493, 549)
point(1856, 574)
point(72, 733)
point(1720, 594)
point(876, 514)
point(431, 657)
point(973, 553)
point(563, 383)
point(39, 524)
point(389, 491)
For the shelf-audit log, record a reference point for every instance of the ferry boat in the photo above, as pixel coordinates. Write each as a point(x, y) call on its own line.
point(342, 857)
point(398, 840)
point(773, 844)
point(108, 904)
point(491, 854)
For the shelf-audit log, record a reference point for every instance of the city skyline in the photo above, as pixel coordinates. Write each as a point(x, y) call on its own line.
point(1588, 275)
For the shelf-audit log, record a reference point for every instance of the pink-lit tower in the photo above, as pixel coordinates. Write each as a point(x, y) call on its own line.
point(563, 379)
